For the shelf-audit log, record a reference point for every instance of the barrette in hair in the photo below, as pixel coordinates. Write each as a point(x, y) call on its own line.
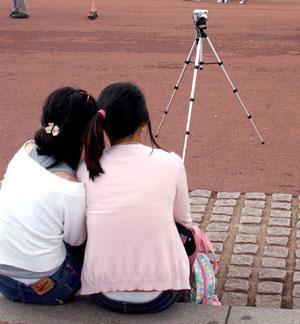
point(102, 112)
point(52, 129)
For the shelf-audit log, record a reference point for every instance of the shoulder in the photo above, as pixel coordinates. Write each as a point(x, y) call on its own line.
point(82, 171)
point(66, 176)
point(29, 146)
point(170, 158)
point(166, 155)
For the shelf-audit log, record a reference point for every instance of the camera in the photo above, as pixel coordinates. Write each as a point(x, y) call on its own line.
point(200, 17)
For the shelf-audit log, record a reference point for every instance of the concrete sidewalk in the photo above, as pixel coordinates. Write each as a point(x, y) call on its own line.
point(84, 311)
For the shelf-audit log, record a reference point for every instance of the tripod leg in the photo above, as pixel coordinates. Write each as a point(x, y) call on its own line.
point(186, 62)
point(199, 52)
point(235, 90)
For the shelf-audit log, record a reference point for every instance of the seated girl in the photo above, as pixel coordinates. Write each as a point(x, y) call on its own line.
point(135, 261)
point(42, 206)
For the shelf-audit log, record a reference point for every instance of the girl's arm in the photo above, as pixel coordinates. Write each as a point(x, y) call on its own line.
point(74, 208)
point(181, 204)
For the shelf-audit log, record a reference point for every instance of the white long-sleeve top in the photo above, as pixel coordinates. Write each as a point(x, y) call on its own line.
point(133, 243)
point(38, 212)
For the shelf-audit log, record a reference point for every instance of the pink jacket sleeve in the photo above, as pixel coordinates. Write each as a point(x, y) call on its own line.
point(181, 203)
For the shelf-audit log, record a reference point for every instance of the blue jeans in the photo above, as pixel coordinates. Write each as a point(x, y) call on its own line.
point(58, 288)
point(19, 5)
point(160, 303)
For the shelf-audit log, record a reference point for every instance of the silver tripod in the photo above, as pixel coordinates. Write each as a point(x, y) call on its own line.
point(198, 43)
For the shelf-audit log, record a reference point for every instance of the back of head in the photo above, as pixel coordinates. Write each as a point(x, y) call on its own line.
point(66, 114)
point(123, 110)
point(126, 110)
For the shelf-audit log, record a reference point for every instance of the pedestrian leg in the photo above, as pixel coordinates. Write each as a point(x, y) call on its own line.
point(93, 12)
point(93, 7)
point(19, 9)
point(20, 4)
point(14, 7)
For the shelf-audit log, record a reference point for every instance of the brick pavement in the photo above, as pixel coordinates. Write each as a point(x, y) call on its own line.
point(257, 241)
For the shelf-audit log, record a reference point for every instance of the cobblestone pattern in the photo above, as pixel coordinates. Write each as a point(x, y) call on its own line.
point(226, 214)
point(219, 222)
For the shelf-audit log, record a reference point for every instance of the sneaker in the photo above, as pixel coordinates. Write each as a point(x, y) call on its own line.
point(243, 1)
point(92, 14)
point(13, 12)
point(16, 14)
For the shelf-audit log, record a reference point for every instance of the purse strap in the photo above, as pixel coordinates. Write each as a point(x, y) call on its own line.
point(204, 245)
point(197, 241)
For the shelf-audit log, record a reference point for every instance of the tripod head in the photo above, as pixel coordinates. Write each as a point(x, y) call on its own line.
point(200, 17)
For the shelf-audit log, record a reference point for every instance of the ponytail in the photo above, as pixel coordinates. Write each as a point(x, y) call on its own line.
point(46, 143)
point(152, 139)
point(125, 111)
point(94, 145)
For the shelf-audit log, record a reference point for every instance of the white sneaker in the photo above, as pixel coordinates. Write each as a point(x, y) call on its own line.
point(222, 1)
point(243, 1)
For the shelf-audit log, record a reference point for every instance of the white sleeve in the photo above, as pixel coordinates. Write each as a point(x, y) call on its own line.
point(181, 204)
point(74, 208)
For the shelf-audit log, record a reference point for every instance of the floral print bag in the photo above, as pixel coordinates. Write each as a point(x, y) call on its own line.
point(203, 270)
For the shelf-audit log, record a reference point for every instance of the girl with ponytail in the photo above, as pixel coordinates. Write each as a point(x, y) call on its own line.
point(42, 205)
point(134, 261)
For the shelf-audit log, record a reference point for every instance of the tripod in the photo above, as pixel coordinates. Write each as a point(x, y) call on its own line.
point(198, 43)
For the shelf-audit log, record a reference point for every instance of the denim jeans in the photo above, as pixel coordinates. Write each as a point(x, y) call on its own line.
point(64, 283)
point(19, 5)
point(160, 303)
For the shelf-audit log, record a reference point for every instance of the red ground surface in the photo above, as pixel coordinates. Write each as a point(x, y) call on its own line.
point(147, 42)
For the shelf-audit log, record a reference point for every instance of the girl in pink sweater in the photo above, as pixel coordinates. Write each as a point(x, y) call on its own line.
point(135, 261)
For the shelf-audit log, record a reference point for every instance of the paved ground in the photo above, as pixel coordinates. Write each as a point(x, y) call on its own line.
point(84, 311)
point(256, 236)
point(257, 239)
point(147, 42)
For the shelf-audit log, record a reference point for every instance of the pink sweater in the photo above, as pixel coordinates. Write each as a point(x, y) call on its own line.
point(133, 243)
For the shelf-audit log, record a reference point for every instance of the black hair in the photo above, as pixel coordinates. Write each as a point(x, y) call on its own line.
point(70, 110)
point(125, 110)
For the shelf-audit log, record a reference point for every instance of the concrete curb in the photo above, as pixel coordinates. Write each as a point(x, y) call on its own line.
point(84, 311)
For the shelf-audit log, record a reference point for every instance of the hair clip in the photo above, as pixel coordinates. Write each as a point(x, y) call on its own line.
point(102, 112)
point(52, 129)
